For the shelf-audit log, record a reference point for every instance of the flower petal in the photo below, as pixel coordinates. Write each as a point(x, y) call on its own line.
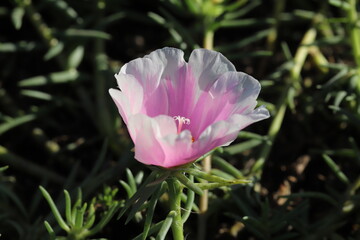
point(177, 148)
point(122, 103)
point(172, 60)
point(175, 91)
point(147, 72)
point(232, 92)
point(207, 66)
point(145, 132)
point(176, 81)
point(132, 89)
point(157, 142)
point(222, 133)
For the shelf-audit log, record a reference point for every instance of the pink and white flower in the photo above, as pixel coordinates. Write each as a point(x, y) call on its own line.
point(177, 111)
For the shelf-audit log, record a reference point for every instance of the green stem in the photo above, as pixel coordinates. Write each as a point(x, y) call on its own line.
point(354, 36)
point(101, 66)
point(273, 131)
point(302, 53)
point(175, 190)
point(355, 31)
point(43, 30)
point(206, 163)
point(293, 83)
point(209, 39)
point(273, 34)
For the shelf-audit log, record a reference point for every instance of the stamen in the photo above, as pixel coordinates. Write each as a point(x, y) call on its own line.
point(181, 121)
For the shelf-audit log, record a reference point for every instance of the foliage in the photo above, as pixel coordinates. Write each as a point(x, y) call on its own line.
point(59, 128)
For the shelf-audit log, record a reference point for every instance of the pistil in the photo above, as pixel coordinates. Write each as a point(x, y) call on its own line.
point(181, 121)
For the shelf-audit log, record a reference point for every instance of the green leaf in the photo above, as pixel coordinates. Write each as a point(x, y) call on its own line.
point(291, 98)
point(18, 47)
point(17, 16)
point(350, 116)
point(192, 6)
point(54, 51)
point(340, 96)
point(127, 188)
point(54, 209)
point(50, 230)
point(77, 205)
point(53, 78)
point(166, 226)
point(155, 228)
point(151, 209)
point(220, 173)
point(105, 219)
point(144, 196)
point(227, 167)
point(66, 10)
point(131, 180)
point(207, 154)
point(207, 186)
point(176, 29)
point(79, 216)
point(188, 183)
point(90, 217)
point(344, 5)
point(340, 75)
point(236, 5)
point(36, 94)
point(75, 57)
point(189, 202)
point(4, 127)
point(2, 169)
point(213, 178)
point(336, 169)
point(138, 194)
point(68, 208)
point(83, 33)
point(139, 177)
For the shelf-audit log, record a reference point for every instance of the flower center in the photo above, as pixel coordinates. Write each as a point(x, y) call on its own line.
point(181, 121)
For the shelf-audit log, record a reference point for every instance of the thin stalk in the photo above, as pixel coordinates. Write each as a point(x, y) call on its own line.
point(204, 202)
point(100, 70)
point(299, 60)
point(302, 53)
point(355, 31)
point(209, 39)
point(352, 15)
point(43, 30)
point(273, 131)
point(40, 26)
point(175, 190)
point(273, 34)
point(206, 163)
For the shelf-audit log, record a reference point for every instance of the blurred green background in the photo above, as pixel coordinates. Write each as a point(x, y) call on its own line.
point(60, 129)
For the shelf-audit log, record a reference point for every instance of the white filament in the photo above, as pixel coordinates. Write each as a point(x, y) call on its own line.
point(181, 120)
